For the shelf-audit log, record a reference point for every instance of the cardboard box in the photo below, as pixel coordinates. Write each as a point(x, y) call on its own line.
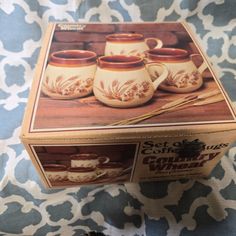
point(146, 114)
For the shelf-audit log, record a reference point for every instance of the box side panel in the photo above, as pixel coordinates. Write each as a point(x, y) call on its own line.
point(89, 162)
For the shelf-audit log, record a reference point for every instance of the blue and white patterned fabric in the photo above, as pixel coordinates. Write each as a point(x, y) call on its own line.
point(190, 207)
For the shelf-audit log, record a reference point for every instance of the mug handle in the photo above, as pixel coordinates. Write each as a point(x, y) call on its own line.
point(100, 174)
point(103, 159)
point(203, 66)
point(160, 78)
point(159, 43)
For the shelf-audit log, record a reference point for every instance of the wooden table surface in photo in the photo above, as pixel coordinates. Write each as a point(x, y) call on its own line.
point(87, 112)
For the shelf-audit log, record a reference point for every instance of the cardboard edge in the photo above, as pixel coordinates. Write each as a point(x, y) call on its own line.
point(213, 72)
point(35, 83)
point(108, 137)
point(37, 165)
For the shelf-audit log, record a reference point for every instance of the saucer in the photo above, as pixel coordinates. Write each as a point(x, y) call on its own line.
point(174, 89)
point(56, 95)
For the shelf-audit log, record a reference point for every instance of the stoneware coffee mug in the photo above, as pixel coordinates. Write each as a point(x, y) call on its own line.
point(183, 75)
point(55, 172)
point(84, 174)
point(69, 74)
point(128, 44)
point(124, 81)
point(87, 160)
point(112, 169)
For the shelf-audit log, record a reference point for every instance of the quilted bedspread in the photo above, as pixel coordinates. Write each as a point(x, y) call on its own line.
point(183, 207)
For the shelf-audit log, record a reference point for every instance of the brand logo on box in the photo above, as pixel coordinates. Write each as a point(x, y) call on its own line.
point(169, 158)
point(156, 163)
point(71, 27)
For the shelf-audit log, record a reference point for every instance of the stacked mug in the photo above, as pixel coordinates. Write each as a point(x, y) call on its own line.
point(85, 167)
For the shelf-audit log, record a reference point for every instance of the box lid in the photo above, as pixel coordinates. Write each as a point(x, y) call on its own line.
point(205, 109)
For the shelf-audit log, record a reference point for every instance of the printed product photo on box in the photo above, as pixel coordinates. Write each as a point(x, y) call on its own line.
point(125, 102)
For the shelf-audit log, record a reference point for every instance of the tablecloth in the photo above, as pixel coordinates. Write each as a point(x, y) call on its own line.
point(183, 207)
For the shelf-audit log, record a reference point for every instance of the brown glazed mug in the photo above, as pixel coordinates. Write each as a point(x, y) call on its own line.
point(69, 74)
point(55, 172)
point(84, 174)
point(87, 160)
point(128, 44)
point(112, 169)
point(124, 81)
point(183, 75)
